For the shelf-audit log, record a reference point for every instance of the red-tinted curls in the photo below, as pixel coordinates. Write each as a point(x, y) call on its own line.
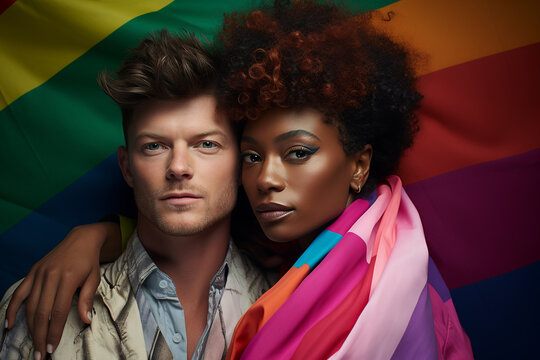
point(307, 54)
point(300, 68)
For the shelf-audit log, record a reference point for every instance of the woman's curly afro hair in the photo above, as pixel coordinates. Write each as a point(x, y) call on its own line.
point(319, 55)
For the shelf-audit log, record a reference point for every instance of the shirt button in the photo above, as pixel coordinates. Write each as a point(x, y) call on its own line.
point(176, 338)
point(163, 284)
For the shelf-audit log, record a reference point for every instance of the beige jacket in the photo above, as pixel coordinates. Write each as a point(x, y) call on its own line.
point(116, 329)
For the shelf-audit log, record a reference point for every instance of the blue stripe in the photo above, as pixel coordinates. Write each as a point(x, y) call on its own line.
point(501, 314)
point(318, 249)
point(100, 192)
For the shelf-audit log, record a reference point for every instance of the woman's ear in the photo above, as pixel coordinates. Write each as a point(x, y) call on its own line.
point(362, 162)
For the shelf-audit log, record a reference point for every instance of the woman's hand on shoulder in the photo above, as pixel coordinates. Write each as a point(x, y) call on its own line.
point(52, 282)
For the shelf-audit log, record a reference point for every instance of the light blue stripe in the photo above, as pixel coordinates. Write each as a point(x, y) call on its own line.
point(318, 249)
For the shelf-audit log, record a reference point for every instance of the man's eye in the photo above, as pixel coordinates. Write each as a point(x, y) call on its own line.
point(152, 146)
point(250, 158)
point(208, 145)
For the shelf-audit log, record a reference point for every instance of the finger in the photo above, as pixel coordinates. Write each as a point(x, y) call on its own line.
point(33, 300)
point(59, 314)
point(19, 296)
point(86, 296)
point(43, 312)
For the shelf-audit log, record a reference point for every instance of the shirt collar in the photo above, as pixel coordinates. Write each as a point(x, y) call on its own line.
point(140, 265)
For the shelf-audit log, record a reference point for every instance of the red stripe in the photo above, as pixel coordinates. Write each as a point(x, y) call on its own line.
point(4, 4)
point(475, 112)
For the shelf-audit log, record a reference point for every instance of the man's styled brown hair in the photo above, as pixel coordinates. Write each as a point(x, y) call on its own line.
point(164, 66)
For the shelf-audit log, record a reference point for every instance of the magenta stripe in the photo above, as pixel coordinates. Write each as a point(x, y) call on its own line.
point(418, 341)
point(349, 216)
point(482, 221)
point(320, 292)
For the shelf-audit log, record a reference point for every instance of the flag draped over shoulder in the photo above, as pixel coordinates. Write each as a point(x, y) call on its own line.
point(363, 289)
point(473, 172)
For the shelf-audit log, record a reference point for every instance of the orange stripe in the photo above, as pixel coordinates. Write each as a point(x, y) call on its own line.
point(456, 31)
point(261, 311)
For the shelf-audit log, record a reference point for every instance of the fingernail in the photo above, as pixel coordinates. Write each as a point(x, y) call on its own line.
point(37, 355)
point(89, 314)
point(6, 324)
point(49, 348)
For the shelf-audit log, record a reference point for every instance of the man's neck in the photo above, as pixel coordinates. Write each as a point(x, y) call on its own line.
point(191, 261)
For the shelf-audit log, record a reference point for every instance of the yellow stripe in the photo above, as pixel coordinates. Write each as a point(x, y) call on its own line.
point(39, 38)
point(127, 227)
point(452, 32)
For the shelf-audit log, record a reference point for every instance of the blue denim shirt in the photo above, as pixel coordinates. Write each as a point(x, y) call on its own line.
point(159, 307)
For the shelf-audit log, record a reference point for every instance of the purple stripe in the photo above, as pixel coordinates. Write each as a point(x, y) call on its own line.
point(435, 279)
point(418, 341)
point(482, 221)
point(320, 292)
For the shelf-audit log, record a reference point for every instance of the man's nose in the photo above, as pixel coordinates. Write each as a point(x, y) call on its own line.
point(271, 177)
point(180, 164)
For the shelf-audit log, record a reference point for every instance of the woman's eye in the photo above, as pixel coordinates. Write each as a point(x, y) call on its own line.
point(298, 154)
point(302, 153)
point(250, 158)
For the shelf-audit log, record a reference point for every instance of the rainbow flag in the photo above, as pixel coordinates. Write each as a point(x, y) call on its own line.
point(473, 173)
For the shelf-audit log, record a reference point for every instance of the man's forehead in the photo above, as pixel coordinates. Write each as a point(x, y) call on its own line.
point(196, 116)
point(206, 102)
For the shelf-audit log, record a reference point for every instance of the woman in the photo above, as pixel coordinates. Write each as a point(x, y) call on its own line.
point(327, 105)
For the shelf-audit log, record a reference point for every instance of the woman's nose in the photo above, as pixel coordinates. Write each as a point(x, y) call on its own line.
point(271, 177)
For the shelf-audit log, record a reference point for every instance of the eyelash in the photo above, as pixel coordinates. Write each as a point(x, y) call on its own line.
point(146, 147)
point(244, 157)
point(307, 150)
point(213, 146)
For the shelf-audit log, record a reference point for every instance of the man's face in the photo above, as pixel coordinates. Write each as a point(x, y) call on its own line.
point(181, 162)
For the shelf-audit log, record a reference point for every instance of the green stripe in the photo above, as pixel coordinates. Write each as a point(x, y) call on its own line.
point(59, 131)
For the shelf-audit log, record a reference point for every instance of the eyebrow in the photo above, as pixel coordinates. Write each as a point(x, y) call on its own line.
point(199, 135)
point(282, 137)
point(148, 135)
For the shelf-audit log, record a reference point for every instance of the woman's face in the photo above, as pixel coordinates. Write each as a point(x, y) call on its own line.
point(296, 174)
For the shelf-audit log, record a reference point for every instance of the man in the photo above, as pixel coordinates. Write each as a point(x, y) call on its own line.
point(181, 285)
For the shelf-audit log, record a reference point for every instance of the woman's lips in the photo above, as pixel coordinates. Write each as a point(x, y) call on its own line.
point(269, 212)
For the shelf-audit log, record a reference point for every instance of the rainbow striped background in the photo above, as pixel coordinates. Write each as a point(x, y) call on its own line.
point(473, 173)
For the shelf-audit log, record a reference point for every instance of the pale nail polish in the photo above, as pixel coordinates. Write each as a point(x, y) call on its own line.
point(6, 324)
point(37, 355)
point(49, 348)
point(89, 314)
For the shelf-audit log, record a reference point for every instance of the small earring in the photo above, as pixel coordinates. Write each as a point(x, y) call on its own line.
point(358, 189)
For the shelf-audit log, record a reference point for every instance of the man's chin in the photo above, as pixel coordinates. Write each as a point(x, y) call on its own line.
point(184, 229)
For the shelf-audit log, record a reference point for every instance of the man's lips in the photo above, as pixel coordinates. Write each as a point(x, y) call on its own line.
point(269, 212)
point(179, 199)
